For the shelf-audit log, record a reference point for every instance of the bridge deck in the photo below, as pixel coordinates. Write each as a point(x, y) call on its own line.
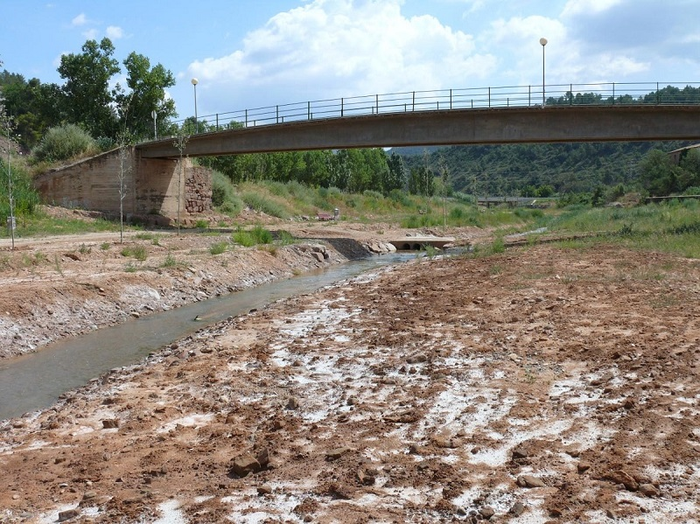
point(452, 127)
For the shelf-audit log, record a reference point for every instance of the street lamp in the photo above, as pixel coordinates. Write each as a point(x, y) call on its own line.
point(194, 85)
point(154, 116)
point(543, 42)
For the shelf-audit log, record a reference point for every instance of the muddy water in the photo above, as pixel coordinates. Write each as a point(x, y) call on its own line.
point(35, 381)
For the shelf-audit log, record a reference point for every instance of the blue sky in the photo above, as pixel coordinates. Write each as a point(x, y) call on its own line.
point(252, 53)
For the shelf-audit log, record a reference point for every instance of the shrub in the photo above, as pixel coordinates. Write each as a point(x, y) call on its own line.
point(63, 143)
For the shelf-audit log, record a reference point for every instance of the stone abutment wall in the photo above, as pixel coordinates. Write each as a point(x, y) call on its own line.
point(150, 187)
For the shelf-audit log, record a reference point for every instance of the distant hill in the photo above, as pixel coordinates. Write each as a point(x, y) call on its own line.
point(507, 169)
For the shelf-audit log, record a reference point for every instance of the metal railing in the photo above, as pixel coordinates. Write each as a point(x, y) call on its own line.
point(609, 94)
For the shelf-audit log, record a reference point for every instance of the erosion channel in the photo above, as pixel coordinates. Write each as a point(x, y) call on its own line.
point(35, 381)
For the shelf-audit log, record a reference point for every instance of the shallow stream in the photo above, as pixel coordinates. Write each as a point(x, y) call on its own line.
point(35, 381)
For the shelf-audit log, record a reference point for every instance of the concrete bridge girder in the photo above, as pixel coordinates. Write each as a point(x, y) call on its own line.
point(435, 128)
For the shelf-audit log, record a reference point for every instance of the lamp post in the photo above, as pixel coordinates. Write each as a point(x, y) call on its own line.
point(543, 42)
point(196, 123)
point(154, 115)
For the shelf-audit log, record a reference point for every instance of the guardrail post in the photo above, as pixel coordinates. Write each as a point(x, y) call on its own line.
point(450, 98)
point(277, 113)
point(613, 93)
point(342, 108)
point(217, 121)
point(489, 97)
point(377, 102)
point(414, 102)
point(658, 100)
point(246, 118)
point(529, 96)
point(308, 110)
point(571, 94)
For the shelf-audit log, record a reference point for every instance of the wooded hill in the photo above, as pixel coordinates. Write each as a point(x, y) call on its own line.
point(516, 169)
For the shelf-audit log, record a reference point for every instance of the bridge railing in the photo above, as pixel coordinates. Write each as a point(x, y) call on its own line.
point(466, 98)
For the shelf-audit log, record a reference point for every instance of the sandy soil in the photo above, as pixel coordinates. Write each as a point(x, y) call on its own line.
point(539, 385)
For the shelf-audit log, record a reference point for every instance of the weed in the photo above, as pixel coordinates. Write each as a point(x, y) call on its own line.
point(202, 224)
point(169, 261)
point(84, 250)
point(496, 269)
point(105, 246)
point(430, 251)
point(218, 248)
point(57, 264)
point(138, 252)
point(130, 268)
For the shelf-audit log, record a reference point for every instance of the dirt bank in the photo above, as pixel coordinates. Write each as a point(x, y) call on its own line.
point(541, 385)
point(62, 286)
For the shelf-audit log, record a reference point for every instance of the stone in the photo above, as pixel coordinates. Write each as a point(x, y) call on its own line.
point(110, 423)
point(517, 509)
point(487, 512)
point(582, 467)
point(263, 457)
point(265, 489)
point(529, 481)
point(292, 404)
point(336, 453)
point(649, 490)
point(624, 478)
point(68, 514)
point(245, 464)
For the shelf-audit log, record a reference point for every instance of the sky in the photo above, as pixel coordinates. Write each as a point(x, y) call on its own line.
point(255, 53)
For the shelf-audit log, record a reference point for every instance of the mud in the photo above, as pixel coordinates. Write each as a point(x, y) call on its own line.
point(539, 385)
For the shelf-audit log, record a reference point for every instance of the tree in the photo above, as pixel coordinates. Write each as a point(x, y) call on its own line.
point(396, 174)
point(658, 175)
point(88, 100)
point(147, 87)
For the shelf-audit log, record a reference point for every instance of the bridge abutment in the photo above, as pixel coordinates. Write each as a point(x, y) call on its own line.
point(150, 186)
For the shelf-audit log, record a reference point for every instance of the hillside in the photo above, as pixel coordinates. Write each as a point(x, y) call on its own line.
point(568, 168)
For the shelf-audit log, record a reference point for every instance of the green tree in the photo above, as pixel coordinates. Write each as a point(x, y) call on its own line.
point(88, 99)
point(395, 175)
point(658, 175)
point(147, 93)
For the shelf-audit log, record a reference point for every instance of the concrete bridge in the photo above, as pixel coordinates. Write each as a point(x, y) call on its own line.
point(451, 127)
point(158, 185)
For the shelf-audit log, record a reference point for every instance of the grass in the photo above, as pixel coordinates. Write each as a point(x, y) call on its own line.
point(138, 252)
point(253, 237)
point(218, 248)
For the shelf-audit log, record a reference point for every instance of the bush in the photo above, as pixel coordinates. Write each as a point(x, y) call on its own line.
point(63, 143)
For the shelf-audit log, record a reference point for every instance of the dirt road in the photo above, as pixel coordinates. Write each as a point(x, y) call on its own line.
point(540, 385)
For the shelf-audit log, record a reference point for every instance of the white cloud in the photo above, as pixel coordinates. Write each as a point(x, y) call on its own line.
point(588, 7)
point(91, 34)
point(329, 48)
point(79, 20)
point(114, 32)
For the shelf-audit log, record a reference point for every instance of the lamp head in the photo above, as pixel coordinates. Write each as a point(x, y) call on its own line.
point(543, 42)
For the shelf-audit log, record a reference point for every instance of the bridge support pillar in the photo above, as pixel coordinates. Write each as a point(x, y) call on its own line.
point(151, 187)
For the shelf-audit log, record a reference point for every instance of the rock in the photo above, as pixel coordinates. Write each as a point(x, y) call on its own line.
point(487, 512)
point(520, 453)
point(263, 457)
point(110, 423)
point(529, 481)
point(517, 509)
point(624, 478)
point(336, 453)
point(292, 403)
point(649, 490)
point(245, 464)
point(265, 489)
point(367, 477)
point(68, 514)
point(582, 467)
